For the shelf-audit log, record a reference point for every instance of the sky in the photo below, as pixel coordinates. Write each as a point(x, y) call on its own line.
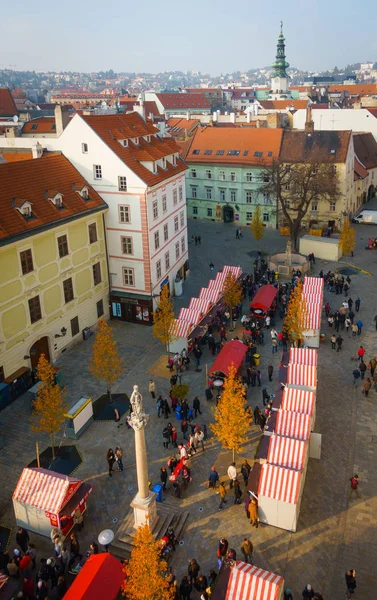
point(213, 37)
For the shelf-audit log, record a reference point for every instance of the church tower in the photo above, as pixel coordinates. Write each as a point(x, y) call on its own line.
point(279, 77)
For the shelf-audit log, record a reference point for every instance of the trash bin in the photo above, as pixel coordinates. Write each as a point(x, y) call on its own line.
point(256, 359)
point(178, 413)
point(157, 489)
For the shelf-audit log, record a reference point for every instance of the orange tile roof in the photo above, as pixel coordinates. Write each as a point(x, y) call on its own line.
point(15, 156)
point(283, 104)
point(170, 100)
point(184, 147)
point(112, 128)
point(179, 127)
point(28, 180)
point(357, 89)
point(151, 107)
point(40, 125)
point(243, 146)
point(359, 171)
point(7, 105)
point(324, 146)
point(365, 149)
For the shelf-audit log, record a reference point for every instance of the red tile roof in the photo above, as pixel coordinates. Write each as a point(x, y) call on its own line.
point(366, 149)
point(7, 105)
point(28, 181)
point(113, 128)
point(9, 156)
point(357, 89)
point(171, 100)
point(283, 104)
point(40, 125)
point(319, 105)
point(243, 146)
point(323, 146)
point(178, 127)
point(359, 171)
point(151, 107)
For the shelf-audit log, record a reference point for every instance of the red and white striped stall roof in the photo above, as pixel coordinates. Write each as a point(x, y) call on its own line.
point(181, 328)
point(300, 401)
point(220, 279)
point(303, 375)
point(43, 489)
point(303, 356)
point(279, 484)
point(3, 580)
point(313, 316)
point(191, 316)
point(200, 305)
point(210, 295)
point(247, 582)
point(215, 284)
point(237, 271)
point(293, 424)
point(287, 452)
point(317, 282)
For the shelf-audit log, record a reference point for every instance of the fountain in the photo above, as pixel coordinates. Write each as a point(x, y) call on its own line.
point(286, 262)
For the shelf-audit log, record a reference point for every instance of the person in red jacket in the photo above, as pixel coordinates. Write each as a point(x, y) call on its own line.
point(360, 353)
point(354, 486)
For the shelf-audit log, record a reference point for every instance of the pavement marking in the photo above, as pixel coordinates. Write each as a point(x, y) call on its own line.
point(355, 267)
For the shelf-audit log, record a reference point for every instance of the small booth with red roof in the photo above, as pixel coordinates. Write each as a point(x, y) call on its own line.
point(232, 352)
point(100, 578)
point(44, 499)
point(263, 301)
point(243, 581)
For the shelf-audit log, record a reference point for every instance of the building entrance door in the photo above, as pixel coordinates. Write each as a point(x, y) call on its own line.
point(228, 214)
point(39, 347)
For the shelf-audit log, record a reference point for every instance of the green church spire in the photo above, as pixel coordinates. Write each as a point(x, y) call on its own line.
point(280, 65)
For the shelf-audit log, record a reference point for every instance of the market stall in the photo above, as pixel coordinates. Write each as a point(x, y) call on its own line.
point(44, 499)
point(300, 401)
point(100, 578)
point(243, 581)
point(289, 424)
point(303, 356)
point(303, 377)
point(284, 452)
point(78, 418)
point(263, 301)
point(232, 352)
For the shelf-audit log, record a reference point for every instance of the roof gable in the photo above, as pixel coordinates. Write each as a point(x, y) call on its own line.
point(44, 489)
point(317, 146)
point(170, 100)
point(7, 105)
point(366, 149)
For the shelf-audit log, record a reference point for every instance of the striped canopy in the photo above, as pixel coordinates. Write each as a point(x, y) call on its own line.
point(237, 271)
point(293, 424)
point(313, 315)
point(247, 582)
point(200, 305)
point(191, 316)
point(44, 489)
point(315, 282)
point(300, 401)
point(287, 452)
point(210, 295)
point(181, 328)
point(303, 356)
point(303, 375)
point(279, 484)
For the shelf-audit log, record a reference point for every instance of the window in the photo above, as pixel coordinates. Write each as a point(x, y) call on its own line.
point(166, 232)
point(180, 189)
point(194, 210)
point(68, 290)
point(193, 173)
point(92, 233)
point(266, 198)
point(209, 193)
point(232, 176)
point(127, 245)
point(75, 326)
point(124, 214)
point(249, 177)
point(209, 212)
point(155, 209)
point(314, 206)
point(35, 309)
point(175, 223)
point(99, 308)
point(26, 261)
point(266, 217)
point(156, 240)
point(233, 195)
point(222, 175)
point(219, 152)
point(164, 163)
point(208, 174)
point(183, 245)
point(164, 204)
point(249, 216)
point(97, 273)
point(158, 269)
point(287, 187)
point(207, 152)
point(222, 195)
point(249, 197)
point(182, 218)
point(167, 261)
point(62, 246)
point(128, 277)
point(122, 183)
point(175, 196)
point(196, 151)
point(177, 251)
point(194, 192)
point(84, 148)
point(332, 206)
point(97, 171)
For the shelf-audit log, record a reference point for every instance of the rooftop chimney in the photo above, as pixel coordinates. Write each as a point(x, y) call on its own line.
point(37, 150)
point(309, 123)
point(61, 118)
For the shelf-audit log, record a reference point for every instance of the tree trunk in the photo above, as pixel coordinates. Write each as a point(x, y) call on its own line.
point(109, 391)
point(294, 233)
point(52, 445)
point(233, 454)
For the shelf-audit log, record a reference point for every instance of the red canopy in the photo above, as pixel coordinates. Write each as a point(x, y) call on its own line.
point(233, 351)
point(264, 297)
point(100, 577)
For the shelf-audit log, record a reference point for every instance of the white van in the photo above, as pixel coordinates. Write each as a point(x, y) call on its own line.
point(366, 216)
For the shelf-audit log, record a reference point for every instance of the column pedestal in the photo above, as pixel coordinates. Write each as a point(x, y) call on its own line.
point(145, 510)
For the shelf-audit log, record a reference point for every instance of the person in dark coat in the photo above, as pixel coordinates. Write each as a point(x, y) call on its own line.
point(237, 492)
point(196, 406)
point(110, 460)
point(22, 539)
point(308, 592)
point(351, 580)
point(163, 477)
point(193, 570)
point(185, 589)
point(257, 415)
point(245, 471)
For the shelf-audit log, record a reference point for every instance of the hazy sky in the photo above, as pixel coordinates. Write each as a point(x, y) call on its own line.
point(209, 36)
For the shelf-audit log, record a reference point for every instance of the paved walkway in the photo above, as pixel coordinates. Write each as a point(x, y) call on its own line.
point(331, 536)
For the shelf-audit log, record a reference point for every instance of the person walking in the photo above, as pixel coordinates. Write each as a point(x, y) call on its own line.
point(339, 342)
point(174, 437)
point(359, 324)
point(166, 436)
point(245, 471)
point(193, 570)
point(159, 403)
point(360, 353)
point(22, 539)
point(152, 389)
point(163, 477)
point(196, 406)
point(350, 577)
point(308, 592)
point(347, 323)
point(213, 478)
point(247, 550)
point(110, 460)
point(119, 457)
point(185, 589)
point(333, 342)
point(366, 387)
point(237, 492)
point(265, 396)
point(356, 376)
point(274, 345)
point(253, 511)
point(199, 438)
point(74, 549)
point(232, 474)
point(354, 329)
point(222, 551)
point(362, 369)
point(270, 370)
point(372, 364)
point(357, 304)
point(354, 486)
point(222, 493)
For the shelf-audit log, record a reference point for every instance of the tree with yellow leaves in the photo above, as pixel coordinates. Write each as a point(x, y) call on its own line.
point(232, 414)
point(163, 319)
point(256, 225)
point(296, 319)
point(347, 241)
point(106, 363)
point(232, 293)
point(145, 571)
point(50, 406)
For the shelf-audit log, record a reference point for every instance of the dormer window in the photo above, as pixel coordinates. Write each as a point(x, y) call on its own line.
point(125, 143)
point(164, 163)
point(56, 198)
point(24, 207)
point(154, 167)
point(26, 211)
point(149, 139)
point(84, 193)
point(136, 141)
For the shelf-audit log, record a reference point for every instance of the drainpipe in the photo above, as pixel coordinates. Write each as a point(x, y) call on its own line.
point(107, 260)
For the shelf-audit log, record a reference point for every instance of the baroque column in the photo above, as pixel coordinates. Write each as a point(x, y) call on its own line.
point(144, 503)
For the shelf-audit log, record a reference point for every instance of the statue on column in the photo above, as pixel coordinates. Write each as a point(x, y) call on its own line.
point(288, 254)
point(138, 418)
